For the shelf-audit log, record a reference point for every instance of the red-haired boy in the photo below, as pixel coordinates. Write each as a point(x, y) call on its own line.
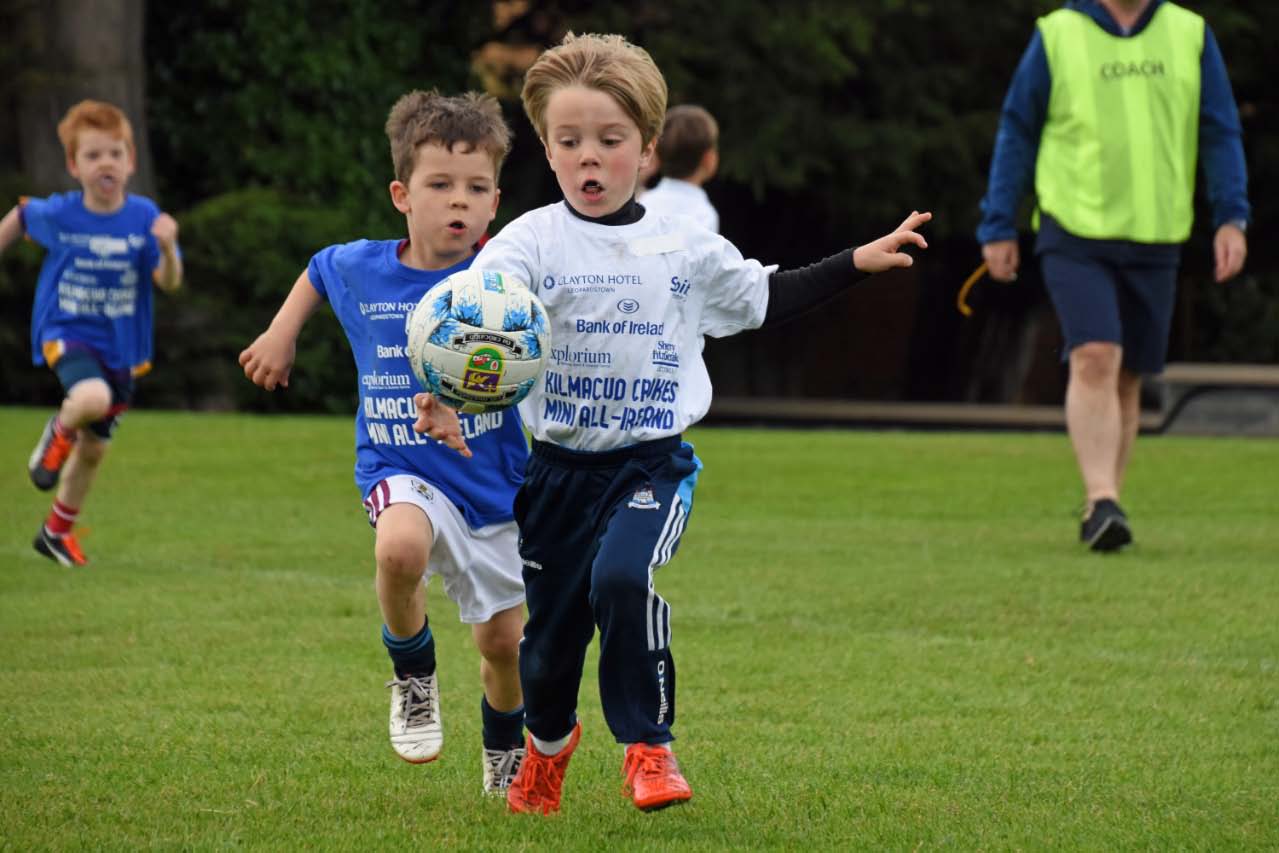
point(92, 319)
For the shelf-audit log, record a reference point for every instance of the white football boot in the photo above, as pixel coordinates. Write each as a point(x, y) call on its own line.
point(500, 767)
point(417, 731)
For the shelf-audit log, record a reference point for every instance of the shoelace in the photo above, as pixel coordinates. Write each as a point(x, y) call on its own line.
point(503, 763)
point(539, 775)
point(419, 709)
point(647, 764)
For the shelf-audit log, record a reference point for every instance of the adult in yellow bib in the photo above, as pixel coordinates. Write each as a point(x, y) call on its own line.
point(1112, 106)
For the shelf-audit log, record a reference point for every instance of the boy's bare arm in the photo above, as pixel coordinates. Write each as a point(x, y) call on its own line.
point(10, 228)
point(168, 275)
point(268, 360)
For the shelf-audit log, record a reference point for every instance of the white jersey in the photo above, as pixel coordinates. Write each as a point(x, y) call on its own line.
point(630, 306)
point(674, 196)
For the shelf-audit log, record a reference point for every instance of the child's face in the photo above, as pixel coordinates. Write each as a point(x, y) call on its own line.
point(102, 164)
point(449, 201)
point(595, 149)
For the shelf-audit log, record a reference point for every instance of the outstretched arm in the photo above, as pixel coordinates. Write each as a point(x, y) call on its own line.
point(10, 228)
point(794, 292)
point(269, 359)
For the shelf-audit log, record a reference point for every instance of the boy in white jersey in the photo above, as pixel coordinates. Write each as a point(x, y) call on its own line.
point(433, 513)
point(610, 483)
point(92, 318)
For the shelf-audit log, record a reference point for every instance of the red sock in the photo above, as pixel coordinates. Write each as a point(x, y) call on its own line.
point(61, 519)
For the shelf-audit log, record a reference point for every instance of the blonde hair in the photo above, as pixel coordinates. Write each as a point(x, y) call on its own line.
point(421, 118)
point(93, 115)
point(690, 132)
point(607, 63)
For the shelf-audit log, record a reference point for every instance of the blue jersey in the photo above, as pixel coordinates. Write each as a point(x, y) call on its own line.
point(96, 282)
point(372, 294)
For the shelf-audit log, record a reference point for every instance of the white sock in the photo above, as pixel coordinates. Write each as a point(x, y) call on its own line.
point(551, 747)
point(666, 746)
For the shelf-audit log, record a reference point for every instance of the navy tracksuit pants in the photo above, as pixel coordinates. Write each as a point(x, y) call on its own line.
point(593, 529)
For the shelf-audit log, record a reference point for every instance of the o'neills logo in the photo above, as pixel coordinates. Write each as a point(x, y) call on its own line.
point(1120, 70)
point(483, 370)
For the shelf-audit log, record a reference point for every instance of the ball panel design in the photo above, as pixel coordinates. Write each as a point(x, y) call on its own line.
point(478, 340)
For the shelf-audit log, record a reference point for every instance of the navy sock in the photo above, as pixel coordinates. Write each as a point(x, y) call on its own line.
point(413, 655)
point(502, 729)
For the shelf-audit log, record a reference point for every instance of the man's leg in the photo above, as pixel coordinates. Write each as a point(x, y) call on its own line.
point(1130, 420)
point(1094, 418)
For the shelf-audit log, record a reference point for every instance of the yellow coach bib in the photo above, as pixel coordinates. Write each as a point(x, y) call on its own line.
point(1118, 150)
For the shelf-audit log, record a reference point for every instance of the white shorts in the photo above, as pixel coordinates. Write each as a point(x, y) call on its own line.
point(480, 567)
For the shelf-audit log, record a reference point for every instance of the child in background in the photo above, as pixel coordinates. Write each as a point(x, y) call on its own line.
point(609, 487)
point(432, 513)
point(688, 157)
point(92, 318)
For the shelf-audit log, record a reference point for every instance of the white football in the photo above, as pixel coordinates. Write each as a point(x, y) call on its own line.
point(478, 340)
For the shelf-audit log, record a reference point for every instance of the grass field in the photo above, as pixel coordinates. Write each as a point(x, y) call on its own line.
point(885, 641)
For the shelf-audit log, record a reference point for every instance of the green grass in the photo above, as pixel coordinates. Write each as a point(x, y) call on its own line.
point(885, 641)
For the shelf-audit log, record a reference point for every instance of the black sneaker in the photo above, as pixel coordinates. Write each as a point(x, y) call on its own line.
point(1106, 527)
point(63, 549)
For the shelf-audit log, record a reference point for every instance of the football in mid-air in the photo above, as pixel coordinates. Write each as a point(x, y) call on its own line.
point(478, 340)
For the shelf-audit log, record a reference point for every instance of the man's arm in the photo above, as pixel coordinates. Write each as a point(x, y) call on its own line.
point(1224, 167)
point(1221, 139)
point(1012, 166)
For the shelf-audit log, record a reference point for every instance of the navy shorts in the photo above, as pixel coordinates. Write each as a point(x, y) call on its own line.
point(1111, 291)
point(78, 364)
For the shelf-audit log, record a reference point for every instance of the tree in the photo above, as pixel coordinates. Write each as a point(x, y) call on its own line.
point(72, 50)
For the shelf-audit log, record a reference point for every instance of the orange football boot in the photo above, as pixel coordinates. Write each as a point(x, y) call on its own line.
point(653, 779)
point(536, 787)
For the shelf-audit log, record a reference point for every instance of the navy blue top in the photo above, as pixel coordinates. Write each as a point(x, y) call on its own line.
point(1025, 109)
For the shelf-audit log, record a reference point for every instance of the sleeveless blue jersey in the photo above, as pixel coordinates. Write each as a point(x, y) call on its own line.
point(96, 282)
point(372, 293)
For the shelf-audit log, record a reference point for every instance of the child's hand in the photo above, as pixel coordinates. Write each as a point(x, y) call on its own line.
point(165, 230)
point(883, 254)
point(268, 360)
point(440, 422)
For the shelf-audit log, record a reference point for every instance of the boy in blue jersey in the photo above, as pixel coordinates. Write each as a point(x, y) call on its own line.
point(631, 296)
point(433, 514)
point(92, 319)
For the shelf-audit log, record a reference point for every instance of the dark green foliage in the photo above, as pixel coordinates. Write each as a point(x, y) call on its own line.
point(294, 94)
point(243, 251)
point(837, 119)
